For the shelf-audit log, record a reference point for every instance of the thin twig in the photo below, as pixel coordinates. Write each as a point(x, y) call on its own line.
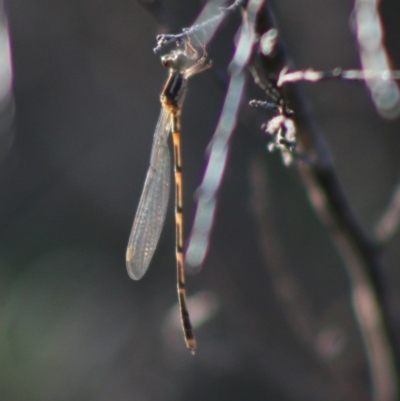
point(289, 291)
point(210, 25)
point(389, 223)
point(218, 149)
point(311, 75)
point(357, 249)
point(361, 262)
point(369, 32)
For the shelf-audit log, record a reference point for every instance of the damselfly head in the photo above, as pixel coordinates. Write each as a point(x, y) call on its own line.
point(176, 61)
point(178, 53)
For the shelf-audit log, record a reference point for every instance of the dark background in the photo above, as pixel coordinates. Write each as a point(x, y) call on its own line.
point(73, 326)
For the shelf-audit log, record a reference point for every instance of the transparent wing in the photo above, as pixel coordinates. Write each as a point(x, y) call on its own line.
point(150, 214)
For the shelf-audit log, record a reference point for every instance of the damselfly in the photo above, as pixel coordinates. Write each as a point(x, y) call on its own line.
point(182, 62)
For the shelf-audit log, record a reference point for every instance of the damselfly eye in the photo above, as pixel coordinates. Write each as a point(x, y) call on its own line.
point(166, 62)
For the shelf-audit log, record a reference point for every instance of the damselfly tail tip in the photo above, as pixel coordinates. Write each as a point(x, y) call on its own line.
point(191, 344)
point(192, 350)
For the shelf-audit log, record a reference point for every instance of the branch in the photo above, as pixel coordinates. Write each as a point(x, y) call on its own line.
point(205, 25)
point(311, 75)
point(218, 148)
point(389, 223)
point(369, 32)
point(7, 103)
point(358, 250)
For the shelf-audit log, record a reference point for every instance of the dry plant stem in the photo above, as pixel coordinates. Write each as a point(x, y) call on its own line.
point(358, 251)
point(209, 26)
point(289, 292)
point(366, 305)
point(369, 32)
point(312, 75)
point(218, 149)
point(389, 223)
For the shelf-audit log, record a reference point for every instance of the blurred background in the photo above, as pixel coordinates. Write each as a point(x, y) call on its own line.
point(272, 311)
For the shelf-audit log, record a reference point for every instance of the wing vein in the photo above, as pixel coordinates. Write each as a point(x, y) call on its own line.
point(151, 211)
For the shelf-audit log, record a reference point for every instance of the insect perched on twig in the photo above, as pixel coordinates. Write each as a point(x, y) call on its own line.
point(183, 61)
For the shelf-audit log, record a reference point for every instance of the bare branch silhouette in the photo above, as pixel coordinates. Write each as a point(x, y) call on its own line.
point(218, 149)
point(388, 224)
point(370, 35)
point(356, 247)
